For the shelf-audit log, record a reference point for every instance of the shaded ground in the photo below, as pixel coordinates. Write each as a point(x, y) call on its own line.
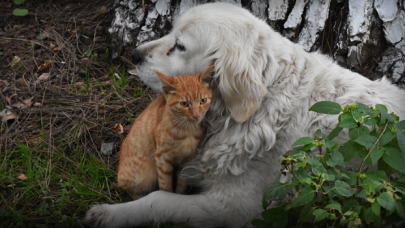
point(60, 98)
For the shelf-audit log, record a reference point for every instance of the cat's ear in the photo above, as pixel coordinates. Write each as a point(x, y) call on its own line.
point(208, 75)
point(167, 82)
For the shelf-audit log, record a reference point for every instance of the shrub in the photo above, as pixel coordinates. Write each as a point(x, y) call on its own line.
point(330, 195)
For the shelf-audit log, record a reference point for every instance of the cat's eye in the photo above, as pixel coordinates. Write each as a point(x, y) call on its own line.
point(184, 104)
point(203, 101)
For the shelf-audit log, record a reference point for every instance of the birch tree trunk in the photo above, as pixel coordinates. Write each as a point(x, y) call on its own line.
point(366, 36)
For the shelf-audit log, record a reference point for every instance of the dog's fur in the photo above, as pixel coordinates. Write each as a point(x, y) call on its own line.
point(263, 88)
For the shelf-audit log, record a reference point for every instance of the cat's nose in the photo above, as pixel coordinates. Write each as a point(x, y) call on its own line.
point(196, 117)
point(137, 56)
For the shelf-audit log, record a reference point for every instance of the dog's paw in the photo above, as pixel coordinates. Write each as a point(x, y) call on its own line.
point(97, 216)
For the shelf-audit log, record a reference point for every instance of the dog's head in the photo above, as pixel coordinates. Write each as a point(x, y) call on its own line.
point(221, 34)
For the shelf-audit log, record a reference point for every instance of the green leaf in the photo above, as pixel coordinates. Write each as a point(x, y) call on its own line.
point(400, 125)
point(301, 173)
point(364, 109)
point(349, 205)
point(351, 178)
point(354, 133)
point(384, 116)
point(380, 106)
point(306, 214)
point(326, 107)
point(260, 223)
point(320, 214)
point(394, 159)
point(366, 140)
point(400, 208)
point(20, 12)
point(356, 115)
point(369, 188)
point(277, 216)
point(318, 170)
point(375, 155)
point(386, 138)
point(334, 206)
point(335, 132)
point(343, 189)
point(331, 145)
point(320, 134)
point(338, 158)
point(18, 2)
point(401, 140)
point(368, 215)
point(350, 150)
point(386, 201)
point(303, 141)
point(376, 208)
point(304, 196)
point(348, 123)
point(276, 190)
point(351, 225)
point(401, 178)
point(370, 122)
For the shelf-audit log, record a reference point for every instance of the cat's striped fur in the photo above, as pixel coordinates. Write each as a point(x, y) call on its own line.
point(165, 134)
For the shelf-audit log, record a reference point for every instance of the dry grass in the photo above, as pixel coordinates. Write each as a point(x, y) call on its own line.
point(60, 122)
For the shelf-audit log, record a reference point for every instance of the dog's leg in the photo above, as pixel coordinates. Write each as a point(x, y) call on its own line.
point(159, 206)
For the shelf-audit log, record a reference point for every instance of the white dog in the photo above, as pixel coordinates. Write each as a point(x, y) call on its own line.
point(264, 85)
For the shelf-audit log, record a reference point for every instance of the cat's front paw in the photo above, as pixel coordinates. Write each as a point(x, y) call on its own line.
point(97, 216)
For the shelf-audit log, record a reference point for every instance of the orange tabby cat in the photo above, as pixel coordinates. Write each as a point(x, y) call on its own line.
point(165, 134)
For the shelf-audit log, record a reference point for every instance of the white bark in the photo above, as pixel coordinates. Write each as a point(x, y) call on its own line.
point(277, 9)
point(315, 19)
point(354, 42)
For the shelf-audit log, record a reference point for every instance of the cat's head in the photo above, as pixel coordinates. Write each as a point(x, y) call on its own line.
point(188, 96)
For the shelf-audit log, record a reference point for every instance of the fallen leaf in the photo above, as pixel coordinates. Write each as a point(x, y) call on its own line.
point(22, 177)
point(85, 36)
point(37, 104)
point(143, 8)
point(57, 49)
point(80, 85)
point(15, 60)
point(9, 99)
point(44, 66)
point(7, 114)
point(28, 102)
point(10, 185)
point(4, 83)
point(18, 105)
point(43, 77)
point(21, 82)
point(74, 31)
point(118, 127)
point(133, 72)
point(43, 35)
point(104, 78)
point(51, 45)
point(107, 148)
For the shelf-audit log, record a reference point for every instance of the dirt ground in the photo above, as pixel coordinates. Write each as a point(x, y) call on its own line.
point(63, 102)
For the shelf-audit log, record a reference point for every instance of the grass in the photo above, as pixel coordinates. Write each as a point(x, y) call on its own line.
point(51, 168)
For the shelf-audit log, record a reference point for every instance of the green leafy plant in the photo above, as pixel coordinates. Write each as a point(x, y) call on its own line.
point(329, 194)
point(19, 12)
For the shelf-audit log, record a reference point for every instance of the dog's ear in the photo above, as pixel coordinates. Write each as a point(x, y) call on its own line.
point(167, 82)
point(240, 81)
point(208, 75)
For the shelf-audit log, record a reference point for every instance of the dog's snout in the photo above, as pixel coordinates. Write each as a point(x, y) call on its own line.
point(137, 56)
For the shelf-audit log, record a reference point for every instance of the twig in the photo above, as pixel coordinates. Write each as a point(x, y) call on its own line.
point(369, 152)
